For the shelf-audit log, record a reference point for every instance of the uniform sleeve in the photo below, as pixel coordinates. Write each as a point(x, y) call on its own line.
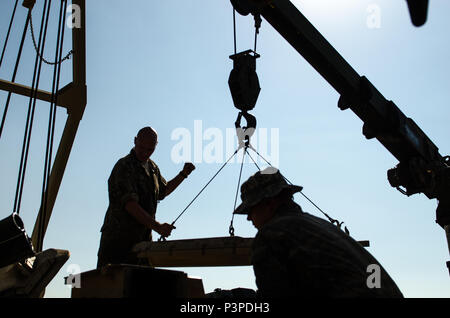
point(122, 185)
point(162, 186)
point(270, 270)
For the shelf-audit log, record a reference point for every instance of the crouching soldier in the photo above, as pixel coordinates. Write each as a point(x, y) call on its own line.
point(295, 254)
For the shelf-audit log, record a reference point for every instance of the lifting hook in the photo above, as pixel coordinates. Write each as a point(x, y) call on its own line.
point(244, 133)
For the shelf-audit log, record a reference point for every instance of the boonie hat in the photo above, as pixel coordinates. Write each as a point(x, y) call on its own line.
point(263, 184)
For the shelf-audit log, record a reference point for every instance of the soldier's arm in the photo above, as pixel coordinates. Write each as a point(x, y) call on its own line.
point(271, 273)
point(122, 186)
point(175, 182)
point(144, 218)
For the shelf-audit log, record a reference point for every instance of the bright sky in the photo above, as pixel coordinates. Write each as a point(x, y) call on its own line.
point(165, 64)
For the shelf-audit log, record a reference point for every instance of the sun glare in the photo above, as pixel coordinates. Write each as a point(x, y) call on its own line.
point(326, 6)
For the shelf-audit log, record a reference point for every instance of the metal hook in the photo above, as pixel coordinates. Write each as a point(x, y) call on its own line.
point(231, 229)
point(244, 133)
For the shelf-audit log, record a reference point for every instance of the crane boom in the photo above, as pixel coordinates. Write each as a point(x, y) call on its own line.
point(421, 168)
point(382, 119)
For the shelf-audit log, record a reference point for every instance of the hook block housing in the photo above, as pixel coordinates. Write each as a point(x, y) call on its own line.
point(243, 80)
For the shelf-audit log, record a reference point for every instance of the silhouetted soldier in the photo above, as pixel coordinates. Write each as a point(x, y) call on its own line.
point(295, 254)
point(135, 186)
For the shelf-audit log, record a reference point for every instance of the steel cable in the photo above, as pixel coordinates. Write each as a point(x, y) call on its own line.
point(13, 79)
point(334, 221)
point(31, 106)
point(206, 185)
point(8, 33)
point(51, 125)
point(231, 228)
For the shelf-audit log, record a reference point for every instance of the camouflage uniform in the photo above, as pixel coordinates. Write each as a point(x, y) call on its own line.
point(295, 254)
point(129, 180)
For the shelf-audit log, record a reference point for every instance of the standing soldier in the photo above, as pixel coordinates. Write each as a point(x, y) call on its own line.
point(135, 186)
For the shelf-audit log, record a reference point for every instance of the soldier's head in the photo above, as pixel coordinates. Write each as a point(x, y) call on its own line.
point(262, 194)
point(145, 143)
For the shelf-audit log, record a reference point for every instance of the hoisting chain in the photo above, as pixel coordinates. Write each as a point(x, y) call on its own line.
point(68, 55)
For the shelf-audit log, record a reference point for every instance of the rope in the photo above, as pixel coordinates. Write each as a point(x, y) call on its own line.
point(19, 55)
point(9, 31)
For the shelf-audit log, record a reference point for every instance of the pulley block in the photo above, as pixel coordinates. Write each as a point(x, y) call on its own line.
point(243, 80)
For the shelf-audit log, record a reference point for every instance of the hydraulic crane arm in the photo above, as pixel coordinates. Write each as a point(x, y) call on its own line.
point(421, 168)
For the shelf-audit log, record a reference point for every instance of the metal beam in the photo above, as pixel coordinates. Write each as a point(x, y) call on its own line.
point(26, 91)
point(75, 98)
point(402, 137)
point(421, 168)
point(217, 251)
point(382, 119)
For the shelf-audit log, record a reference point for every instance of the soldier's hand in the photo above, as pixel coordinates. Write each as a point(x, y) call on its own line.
point(188, 168)
point(165, 229)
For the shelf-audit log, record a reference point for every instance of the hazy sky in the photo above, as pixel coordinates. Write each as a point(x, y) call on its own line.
point(165, 64)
